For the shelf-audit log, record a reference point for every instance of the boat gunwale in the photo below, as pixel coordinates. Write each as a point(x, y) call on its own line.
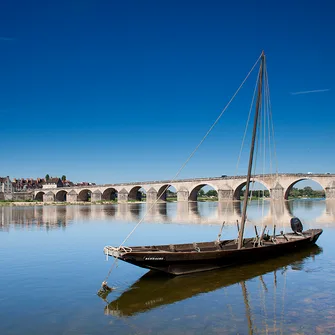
point(293, 238)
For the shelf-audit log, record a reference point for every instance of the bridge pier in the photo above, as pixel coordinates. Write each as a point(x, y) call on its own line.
point(277, 193)
point(48, 197)
point(123, 196)
point(96, 195)
point(182, 195)
point(151, 195)
point(330, 191)
point(224, 195)
point(72, 196)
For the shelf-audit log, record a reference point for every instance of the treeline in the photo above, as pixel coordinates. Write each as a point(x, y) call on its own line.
point(171, 195)
point(201, 194)
point(256, 193)
point(47, 177)
point(306, 192)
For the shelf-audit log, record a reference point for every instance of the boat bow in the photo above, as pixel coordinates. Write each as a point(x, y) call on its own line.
point(116, 252)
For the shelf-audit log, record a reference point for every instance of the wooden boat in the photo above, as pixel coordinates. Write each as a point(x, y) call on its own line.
point(156, 290)
point(178, 259)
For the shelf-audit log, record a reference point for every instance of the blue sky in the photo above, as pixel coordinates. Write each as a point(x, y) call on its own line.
point(113, 91)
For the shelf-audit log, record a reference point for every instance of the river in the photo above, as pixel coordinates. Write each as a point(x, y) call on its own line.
point(52, 265)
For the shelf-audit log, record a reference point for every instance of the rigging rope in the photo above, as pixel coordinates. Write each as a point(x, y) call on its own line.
point(263, 115)
point(259, 126)
point(267, 116)
point(247, 124)
point(265, 143)
point(257, 146)
point(188, 159)
point(272, 135)
point(241, 148)
point(271, 120)
point(194, 151)
point(271, 140)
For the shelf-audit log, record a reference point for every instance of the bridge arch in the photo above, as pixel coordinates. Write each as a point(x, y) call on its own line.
point(135, 194)
point(110, 194)
point(238, 189)
point(194, 192)
point(49, 197)
point(61, 196)
point(162, 193)
point(39, 196)
point(290, 187)
point(85, 195)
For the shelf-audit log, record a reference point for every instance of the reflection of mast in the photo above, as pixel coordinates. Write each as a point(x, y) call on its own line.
point(263, 283)
point(274, 300)
point(283, 303)
point(247, 307)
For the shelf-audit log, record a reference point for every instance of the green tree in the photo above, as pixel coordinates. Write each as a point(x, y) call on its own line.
point(212, 193)
point(63, 177)
point(171, 194)
point(201, 193)
point(308, 191)
point(295, 193)
point(47, 177)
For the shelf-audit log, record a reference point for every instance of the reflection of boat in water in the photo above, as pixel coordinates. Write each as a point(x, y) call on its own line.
point(154, 289)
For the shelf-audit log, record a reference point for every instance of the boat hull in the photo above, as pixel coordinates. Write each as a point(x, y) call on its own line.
point(185, 262)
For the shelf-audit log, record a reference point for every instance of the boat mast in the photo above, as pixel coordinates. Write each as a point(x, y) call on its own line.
point(251, 156)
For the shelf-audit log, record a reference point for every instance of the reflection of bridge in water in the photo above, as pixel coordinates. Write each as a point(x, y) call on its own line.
point(278, 212)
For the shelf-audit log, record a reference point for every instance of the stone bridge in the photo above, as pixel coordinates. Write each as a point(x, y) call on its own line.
point(228, 188)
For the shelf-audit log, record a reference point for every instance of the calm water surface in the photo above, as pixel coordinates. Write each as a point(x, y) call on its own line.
point(52, 265)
